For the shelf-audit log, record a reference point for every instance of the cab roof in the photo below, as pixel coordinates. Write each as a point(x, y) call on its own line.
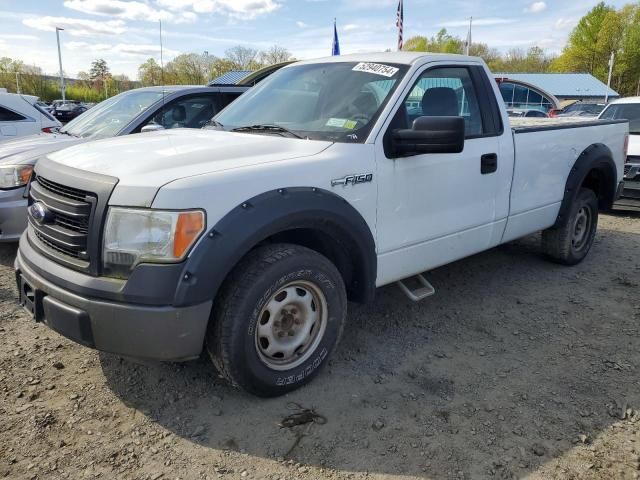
point(403, 58)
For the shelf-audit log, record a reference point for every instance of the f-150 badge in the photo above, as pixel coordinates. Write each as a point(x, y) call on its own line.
point(353, 179)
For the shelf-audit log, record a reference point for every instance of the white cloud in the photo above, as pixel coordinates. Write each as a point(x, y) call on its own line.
point(566, 23)
point(76, 26)
point(536, 7)
point(144, 50)
point(350, 26)
point(302, 24)
point(479, 22)
point(242, 9)
point(132, 10)
point(17, 36)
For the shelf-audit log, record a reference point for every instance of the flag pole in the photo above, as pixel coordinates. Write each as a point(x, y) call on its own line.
point(467, 46)
point(611, 60)
point(335, 46)
point(400, 24)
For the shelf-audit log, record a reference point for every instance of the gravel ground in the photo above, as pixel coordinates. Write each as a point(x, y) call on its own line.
point(516, 368)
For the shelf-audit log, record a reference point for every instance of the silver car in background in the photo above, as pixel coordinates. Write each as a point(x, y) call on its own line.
point(134, 111)
point(628, 109)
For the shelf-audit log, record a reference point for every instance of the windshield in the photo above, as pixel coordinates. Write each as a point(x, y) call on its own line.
point(592, 108)
point(625, 111)
point(338, 102)
point(109, 117)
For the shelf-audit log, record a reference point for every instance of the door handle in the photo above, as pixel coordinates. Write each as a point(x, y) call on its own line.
point(488, 163)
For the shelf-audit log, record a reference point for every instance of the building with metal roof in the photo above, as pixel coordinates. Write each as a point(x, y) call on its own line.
point(231, 78)
point(562, 86)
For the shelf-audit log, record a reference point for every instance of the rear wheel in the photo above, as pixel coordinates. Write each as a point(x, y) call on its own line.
point(571, 243)
point(278, 317)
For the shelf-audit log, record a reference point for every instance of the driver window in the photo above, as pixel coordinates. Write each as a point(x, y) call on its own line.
point(190, 112)
point(444, 92)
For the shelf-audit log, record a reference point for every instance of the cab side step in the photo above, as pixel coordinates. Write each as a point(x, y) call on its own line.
point(424, 290)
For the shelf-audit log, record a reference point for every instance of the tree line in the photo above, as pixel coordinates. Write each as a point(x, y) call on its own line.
point(198, 69)
point(603, 30)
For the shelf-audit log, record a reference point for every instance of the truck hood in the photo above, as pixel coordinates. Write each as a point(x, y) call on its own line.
point(26, 150)
point(145, 162)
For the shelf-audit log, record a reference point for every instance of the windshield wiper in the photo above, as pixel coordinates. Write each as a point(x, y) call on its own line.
point(267, 128)
point(213, 123)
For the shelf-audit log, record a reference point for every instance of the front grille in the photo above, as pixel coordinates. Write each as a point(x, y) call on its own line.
point(70, 252)
point(64, 230)
point(627, 169)
point(62, 190)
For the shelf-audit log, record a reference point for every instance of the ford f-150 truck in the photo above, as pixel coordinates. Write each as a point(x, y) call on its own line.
point(317, 186)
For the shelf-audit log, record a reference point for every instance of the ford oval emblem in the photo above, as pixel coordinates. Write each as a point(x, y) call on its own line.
point(39, 212)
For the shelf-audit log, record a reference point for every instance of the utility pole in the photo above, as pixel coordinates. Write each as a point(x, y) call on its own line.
point(206, 64)
point(638, 89)
point(606, 97)
point(60, 61)
point(161, 60)
point(467, 45)
point(17, 82)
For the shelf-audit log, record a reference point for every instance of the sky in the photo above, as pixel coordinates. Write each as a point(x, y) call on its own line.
point(126, 33)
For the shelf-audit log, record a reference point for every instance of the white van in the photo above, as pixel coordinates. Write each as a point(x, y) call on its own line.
point(20, 116)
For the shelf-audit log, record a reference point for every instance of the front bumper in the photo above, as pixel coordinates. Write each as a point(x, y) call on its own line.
point(13, 214)
point(631, 181)
point(133, 330)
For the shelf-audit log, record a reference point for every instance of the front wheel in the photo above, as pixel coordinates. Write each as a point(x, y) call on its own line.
point(277, 319)
point(570, 243)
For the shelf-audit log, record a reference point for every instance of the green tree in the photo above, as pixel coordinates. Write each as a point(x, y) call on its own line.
point(600, 32)
point(187, 69)
point(100, 74)
point(150, 73)
point(274, 55)
point(243, 58)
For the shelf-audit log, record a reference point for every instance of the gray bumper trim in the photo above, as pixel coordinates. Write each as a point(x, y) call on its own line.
point(157, 333)
point(13, 214)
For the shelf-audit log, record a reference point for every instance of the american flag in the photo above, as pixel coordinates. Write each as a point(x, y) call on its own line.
point(399, 24)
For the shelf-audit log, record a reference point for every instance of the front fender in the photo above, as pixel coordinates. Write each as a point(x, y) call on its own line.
point(271, 213)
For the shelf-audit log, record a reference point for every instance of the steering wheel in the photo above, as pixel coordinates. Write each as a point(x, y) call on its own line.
point(361, 118)
point(119, 119)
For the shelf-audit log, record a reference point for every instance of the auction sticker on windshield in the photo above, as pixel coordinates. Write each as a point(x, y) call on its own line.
point(377, 68)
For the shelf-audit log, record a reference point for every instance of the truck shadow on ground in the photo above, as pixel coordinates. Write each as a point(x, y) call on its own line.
point(509, 364)
point(8, 253)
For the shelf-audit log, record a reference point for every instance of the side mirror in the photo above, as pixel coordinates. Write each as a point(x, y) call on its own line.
point(430, 135)
point(152, 127)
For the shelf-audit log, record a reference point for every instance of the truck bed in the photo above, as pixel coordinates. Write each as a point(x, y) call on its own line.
point(527, 124)
point(545, 152)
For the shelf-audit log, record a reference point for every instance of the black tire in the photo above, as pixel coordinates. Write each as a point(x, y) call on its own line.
point(560, 244)
point(233, 340)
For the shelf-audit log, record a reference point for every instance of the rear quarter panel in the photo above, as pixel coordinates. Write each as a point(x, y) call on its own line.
point(544, 159)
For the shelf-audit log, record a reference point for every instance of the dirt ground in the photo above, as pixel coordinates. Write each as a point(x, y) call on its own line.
point(516, 368)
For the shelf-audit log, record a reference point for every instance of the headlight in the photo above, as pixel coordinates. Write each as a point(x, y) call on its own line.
point(12, 176)
point(133, 236)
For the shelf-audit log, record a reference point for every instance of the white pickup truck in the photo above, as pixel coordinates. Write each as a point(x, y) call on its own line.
point(329, 179)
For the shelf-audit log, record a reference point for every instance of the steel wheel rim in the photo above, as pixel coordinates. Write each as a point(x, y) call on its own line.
point(291, 325)
point(581, 228)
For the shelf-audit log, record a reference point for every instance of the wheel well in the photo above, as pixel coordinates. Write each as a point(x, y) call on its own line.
point(337, 248)
point(601, 180)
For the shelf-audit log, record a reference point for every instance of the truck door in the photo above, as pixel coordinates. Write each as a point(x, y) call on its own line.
point(436, 208)
point(9, 123)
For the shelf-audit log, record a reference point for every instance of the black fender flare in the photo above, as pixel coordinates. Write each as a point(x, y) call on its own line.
point(272, 213)
point(598, 157)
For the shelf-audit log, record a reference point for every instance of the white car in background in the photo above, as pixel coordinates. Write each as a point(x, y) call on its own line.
point(628, 109)
point(20, 115)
